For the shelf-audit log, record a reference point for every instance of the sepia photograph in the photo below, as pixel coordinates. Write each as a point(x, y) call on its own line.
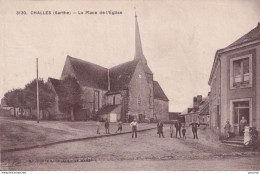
point(131, 85)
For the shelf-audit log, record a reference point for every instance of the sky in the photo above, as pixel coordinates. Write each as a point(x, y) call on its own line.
point(179, 39)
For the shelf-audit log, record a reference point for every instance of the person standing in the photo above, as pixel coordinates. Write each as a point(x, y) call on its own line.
point(107, 126)
point(120, 126)
point(178, 128)
point(133, 124)
point(227, 129)
point(242, 125)
point(160, 129)
point(98, 126)
point(171, 130)
point(194, 128)
point(183, 131)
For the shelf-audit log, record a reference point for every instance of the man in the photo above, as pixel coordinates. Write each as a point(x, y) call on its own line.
point(194, 128)
point(242, 125)
point(160, 129)
point(133, 124)
point(107, 126)
point(227, 129)
point(178, 128)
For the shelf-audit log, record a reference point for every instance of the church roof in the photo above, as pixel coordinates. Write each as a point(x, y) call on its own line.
point(57, 85)
point(89, 74)
point(121, 75)
point(158, 92)
point(107, 109)
point(252, 35)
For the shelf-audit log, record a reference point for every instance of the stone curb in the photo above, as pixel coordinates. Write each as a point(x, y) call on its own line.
point(71, 140)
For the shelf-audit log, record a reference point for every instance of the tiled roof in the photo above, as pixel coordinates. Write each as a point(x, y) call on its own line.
point(57, 85)
point(120, 75)
point(253, 35)
point(202, 109)
point(107, 109)
point(89, 74)
point(158, 92)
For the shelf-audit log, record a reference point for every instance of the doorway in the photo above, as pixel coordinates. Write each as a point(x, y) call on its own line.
point(241, 109)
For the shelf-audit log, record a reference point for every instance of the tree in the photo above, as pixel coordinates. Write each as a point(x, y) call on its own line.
point(16, 99)
point(46, 95)
point(70, 97)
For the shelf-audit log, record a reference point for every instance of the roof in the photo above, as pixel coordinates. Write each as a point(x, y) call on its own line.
point(205, 110)
point(202, 109)
point(158, 92)
point(121, 75)
point(106, 109)
point(57, 85)
point(252, 35)
point(89, 74)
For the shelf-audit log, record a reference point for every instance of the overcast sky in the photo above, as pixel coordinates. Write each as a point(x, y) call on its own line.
point(179, 39)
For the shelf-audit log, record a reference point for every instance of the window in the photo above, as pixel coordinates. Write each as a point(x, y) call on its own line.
point(114, 100)
point(241, 72)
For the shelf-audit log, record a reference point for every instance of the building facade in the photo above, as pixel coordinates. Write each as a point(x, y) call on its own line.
point(235, 84)
point(122, 92)
point(198, 111)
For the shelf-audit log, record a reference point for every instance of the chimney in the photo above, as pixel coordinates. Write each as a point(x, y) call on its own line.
point(108, 80)
point(199, 99)
point(194, 102)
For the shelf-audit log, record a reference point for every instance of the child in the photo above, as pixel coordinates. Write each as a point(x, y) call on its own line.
point(98, 127)
point(171, 130)
point(120, 127)
point(183, 132)
point(107, 126)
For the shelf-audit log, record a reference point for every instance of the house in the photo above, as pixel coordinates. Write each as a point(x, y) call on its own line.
point(235, 84)
point(174, 116)
point(198, 111)
point(122, 92)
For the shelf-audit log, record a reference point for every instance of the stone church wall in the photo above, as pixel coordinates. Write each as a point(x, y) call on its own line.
point(139, 94)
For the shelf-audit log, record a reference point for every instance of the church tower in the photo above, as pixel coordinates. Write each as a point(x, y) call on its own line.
point(139, 56)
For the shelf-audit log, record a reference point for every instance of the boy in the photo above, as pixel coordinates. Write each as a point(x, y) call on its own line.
point(98, 127)
point(120, 127)
point(183, 132)
point(107, 126)
point(171, 130)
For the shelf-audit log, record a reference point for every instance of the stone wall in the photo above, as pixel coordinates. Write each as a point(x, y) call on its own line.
point(139, 94)
point(161, 109)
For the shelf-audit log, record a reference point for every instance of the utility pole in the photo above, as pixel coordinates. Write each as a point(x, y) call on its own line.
point(38, 112)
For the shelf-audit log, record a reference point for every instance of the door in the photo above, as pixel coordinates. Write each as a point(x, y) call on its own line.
point(113, 117)
point(241, 109)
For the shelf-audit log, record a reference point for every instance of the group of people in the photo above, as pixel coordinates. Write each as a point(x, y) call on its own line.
point(133, 125)
point(227, 128)
point(179, 129)
point(120, 127)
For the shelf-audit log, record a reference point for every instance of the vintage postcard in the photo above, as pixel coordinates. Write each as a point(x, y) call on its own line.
point(130, 85)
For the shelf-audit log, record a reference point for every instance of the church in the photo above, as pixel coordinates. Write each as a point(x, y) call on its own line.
point(123, 92)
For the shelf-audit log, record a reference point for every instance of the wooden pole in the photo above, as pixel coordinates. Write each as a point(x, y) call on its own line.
point(38, 112)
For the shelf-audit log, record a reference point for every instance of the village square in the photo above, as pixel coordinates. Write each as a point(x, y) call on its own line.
point(118, 118)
